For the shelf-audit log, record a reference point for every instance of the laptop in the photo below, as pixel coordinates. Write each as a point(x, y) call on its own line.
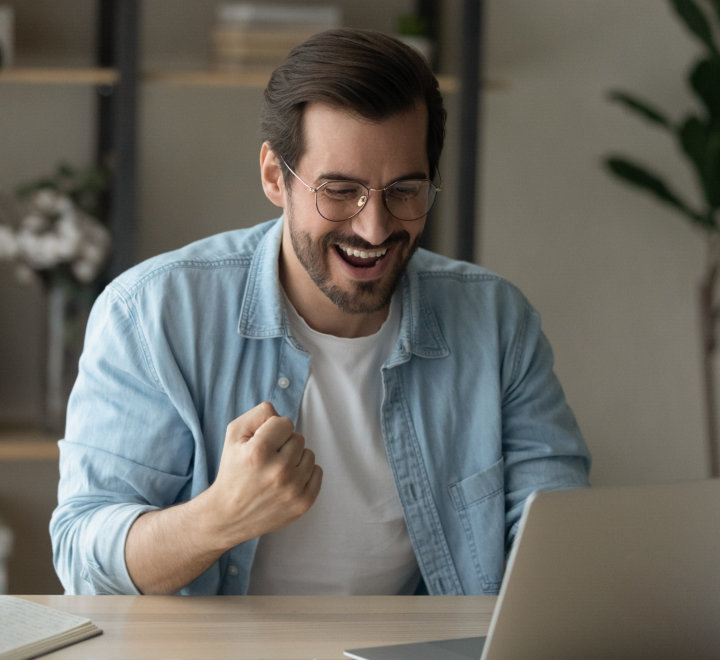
point(605, 572)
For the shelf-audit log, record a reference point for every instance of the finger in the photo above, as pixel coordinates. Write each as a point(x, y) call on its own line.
point(291, 452)
point(244, 427)
point(306, 464)
point(312, 488)
point(273, 433)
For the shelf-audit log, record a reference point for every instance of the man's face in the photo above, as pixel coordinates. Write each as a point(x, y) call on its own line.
point(355, 264)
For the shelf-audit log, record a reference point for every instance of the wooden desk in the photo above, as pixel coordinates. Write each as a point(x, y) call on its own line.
point(264, 627)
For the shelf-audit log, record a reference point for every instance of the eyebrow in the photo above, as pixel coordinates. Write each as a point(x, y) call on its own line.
point(339, 176)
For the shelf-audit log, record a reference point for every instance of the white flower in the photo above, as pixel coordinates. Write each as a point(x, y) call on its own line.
point(85, 271)
point(8, 243)
point(70, 236)
point(64, 205)
point(35, 223)
point(40, 251)
point(49, 201)
point(55, 234)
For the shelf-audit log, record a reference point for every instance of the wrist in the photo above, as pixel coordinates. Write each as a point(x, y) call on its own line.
point(205, 520)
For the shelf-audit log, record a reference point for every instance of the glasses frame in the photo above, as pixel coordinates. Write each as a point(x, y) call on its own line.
point(367, 197)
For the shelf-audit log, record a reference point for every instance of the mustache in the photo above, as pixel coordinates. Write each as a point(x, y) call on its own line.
point(353, 241)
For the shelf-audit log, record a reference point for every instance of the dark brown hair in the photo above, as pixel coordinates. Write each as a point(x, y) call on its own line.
point(367, 72)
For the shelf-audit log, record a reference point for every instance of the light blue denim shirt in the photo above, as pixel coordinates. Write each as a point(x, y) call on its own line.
point(473, 417)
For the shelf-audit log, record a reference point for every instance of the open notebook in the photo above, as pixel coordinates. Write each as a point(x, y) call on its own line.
point(615, 572)
point(28, 629)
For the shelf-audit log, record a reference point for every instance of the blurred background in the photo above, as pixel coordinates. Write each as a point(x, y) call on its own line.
point(614, 273)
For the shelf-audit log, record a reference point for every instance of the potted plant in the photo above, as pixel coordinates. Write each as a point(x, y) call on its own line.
point(697, 134)
point(53, 236)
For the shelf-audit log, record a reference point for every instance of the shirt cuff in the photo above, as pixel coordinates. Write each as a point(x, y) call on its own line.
point(104, 569)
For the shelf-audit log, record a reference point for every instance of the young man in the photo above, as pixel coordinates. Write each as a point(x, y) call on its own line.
point(214, 377)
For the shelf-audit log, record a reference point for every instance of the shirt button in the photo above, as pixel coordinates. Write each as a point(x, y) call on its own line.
point(283, 382)
point(232, 570)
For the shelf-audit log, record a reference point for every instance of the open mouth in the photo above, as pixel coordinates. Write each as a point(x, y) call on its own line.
point(361, 258)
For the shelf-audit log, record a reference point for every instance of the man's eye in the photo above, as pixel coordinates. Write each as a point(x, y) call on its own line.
point(341, 191)
point(406, 189)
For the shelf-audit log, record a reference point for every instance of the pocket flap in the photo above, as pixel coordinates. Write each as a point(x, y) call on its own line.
point(479, 486)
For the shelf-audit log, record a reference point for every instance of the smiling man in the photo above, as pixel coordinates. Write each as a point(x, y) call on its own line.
point(217, 379)
point(340, 271)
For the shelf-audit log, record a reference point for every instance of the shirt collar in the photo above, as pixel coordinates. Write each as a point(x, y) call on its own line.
point(263, 314)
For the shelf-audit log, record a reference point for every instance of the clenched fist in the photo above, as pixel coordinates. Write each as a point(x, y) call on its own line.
point(266, 479)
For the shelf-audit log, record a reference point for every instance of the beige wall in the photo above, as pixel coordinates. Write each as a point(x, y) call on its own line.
point(612, 272)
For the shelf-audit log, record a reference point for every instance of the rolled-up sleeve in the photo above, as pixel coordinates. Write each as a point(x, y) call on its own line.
point(126, 451)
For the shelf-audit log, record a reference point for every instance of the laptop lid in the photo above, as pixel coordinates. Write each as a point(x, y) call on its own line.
point(609, 572)
point(615, 572)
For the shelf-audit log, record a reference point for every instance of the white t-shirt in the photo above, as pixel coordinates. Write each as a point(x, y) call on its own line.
point(354, 539)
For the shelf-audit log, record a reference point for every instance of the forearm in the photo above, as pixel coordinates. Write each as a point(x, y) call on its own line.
point(266, 480)
point(166, 550)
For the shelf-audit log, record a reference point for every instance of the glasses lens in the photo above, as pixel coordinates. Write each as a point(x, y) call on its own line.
point(340, 200)
point(406, 200)
point(411, 199)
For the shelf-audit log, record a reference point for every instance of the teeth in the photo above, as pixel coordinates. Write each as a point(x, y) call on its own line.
point(372, 254)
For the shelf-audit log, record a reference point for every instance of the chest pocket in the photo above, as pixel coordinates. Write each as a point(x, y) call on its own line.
point(480, 504)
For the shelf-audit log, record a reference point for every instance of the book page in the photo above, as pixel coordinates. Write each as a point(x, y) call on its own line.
point(27, 623)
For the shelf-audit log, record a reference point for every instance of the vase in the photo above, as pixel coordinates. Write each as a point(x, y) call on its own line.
point(67, 310)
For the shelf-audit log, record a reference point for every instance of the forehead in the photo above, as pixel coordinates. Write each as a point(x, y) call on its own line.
point(338, 140)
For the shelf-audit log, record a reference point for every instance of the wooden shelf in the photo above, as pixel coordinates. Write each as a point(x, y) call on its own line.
point(59, 76)
point(201, 78)
point(27, 445)
point(251, 79)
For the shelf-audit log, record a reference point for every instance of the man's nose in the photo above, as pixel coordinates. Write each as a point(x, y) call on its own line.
point(374, 223)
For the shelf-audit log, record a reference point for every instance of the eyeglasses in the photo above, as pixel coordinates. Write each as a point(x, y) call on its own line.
point(406, 199)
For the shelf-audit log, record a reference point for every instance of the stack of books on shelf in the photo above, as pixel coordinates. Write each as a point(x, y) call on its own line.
point(256, 35)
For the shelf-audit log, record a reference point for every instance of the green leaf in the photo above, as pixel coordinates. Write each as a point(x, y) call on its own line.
point(715, 4)
point(696, 21)
point(65, 171)
point(643, 108)
point(639, 176)
point(28, 189)
point(701, 143)
point(705, 81)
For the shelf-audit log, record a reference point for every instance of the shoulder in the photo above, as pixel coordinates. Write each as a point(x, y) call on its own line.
point(463, 285)
point(211, 259)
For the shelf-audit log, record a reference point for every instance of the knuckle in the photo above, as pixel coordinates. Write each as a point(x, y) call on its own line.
point(257, 454)
point(303, 506)
point(266, 408)
point(285, 425)
point(281, 477)
point(233, 429)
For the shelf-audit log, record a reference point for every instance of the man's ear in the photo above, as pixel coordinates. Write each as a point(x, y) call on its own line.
point(271, 174)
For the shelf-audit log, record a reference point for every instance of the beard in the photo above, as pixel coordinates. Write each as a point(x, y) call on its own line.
point(361, 297)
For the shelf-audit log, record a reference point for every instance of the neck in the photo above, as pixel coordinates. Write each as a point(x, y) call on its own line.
point(322, 315)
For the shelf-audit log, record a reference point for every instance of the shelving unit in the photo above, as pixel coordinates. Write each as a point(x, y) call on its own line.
point(27, 445)
point(118, 76)
point(59, 76)
point(199, 78)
